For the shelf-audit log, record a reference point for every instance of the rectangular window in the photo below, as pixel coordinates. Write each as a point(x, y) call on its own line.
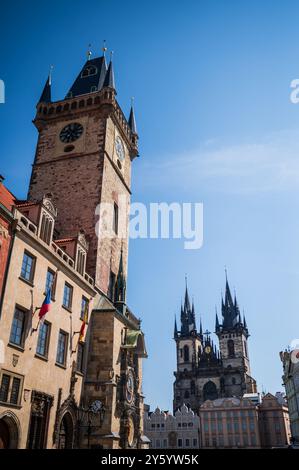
point(80, 357)
point(18, 328)
point(10, 388)
point(62, 348)
point(194, 442)
point(115, 218)
point(15, 390)
point(180, 443)
point(4, 388)
point(28, 265)
point(50, 282)
point(84, 306)
point(67, 296)
point(187, 443)
point(43, 339)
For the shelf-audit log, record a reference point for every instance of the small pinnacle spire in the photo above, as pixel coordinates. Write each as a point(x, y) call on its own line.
point(132, 120)
point(217, 326)
point(46, 93)
point(109, 78)
point(200, 328)
point(175, 327)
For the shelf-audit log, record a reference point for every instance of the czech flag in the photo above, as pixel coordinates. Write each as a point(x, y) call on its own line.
point(46, 305)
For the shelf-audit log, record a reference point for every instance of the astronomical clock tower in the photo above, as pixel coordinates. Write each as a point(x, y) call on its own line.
point(83, 161)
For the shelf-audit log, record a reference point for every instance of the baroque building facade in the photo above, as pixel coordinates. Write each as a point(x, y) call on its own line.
point(50, 394)
point(204, 372)
point(290, 362)
point(178, 431)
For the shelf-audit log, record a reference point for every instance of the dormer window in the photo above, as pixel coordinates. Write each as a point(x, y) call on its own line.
point(88, 71)
point(46, 228)
point(93, 89)
point(69, 95)
point(81, 258)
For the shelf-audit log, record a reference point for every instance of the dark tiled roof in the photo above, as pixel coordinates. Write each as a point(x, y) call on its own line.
point(85, 84)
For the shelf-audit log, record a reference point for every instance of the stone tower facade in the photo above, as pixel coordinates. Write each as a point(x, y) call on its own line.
point(83, 158)
point(204, 372)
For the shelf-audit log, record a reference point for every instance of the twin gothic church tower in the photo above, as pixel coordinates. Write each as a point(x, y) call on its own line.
point(203, 371)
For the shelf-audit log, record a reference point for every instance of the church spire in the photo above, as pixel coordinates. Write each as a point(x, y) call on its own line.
point(46, 93)
point(109, 81)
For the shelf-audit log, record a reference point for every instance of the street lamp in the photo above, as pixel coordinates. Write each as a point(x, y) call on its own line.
point(89, 414)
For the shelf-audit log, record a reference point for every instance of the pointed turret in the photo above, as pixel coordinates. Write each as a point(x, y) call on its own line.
point(120, 286)
point(132, 120)
point(244, 322)
point(187, 301)
point(109, 81)
point(175, 328)
point(46, 93)
point(217, 325)
point(200, 329)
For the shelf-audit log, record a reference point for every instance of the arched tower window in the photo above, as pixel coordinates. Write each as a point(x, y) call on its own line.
point(186, 394)
point(231, 348)
point(192, 387)
point(186, 353)
point(210, 391)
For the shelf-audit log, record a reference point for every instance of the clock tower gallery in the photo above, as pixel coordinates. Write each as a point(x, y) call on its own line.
point(83, 158)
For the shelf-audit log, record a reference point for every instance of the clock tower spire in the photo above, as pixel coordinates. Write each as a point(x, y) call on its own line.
point(83, 158)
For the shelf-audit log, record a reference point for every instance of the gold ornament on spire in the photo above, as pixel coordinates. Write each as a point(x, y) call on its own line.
point(89, 53)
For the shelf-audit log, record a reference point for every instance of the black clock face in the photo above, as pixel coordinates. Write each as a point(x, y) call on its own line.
point(71, 132)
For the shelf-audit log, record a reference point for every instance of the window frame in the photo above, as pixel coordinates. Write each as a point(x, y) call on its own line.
point(66, 336)
point(53, 291)
point(12, 376)
point(32, 269)
point(80, 370)
point(83, 308)
point(24, 326)
point(69, 306)
point(47, 340)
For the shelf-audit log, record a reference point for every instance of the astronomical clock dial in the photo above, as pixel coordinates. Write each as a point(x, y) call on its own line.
point(130, 388)
point(119, 148)
point(208, 349)
point(71, 132)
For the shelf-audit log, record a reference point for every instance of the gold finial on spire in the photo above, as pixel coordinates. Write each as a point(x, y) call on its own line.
point(89, 53)
point(104, 48)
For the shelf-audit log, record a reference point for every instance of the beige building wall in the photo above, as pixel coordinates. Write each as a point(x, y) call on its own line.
point(37, 373)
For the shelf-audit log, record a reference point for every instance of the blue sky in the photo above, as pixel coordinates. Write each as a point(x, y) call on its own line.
point(211, 82)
